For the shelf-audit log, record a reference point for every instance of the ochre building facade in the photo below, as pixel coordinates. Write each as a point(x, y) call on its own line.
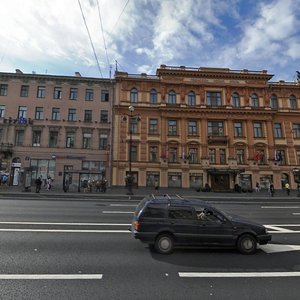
point(211, 128)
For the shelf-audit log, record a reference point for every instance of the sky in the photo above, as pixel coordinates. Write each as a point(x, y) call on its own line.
point(94, 37)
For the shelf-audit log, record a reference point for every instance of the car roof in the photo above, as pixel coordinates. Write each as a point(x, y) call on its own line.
point(174, 199)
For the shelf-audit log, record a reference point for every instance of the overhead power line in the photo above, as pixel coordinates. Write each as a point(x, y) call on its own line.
point(87, 29)
point(100, 18)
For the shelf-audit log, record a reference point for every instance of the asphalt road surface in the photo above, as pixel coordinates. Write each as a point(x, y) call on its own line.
point(81, 249)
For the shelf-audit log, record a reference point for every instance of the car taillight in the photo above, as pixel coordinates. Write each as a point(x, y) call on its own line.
point(136, 225)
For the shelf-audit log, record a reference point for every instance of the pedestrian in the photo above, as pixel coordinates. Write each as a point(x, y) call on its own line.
point(103, 185)
point(48, 184)
point(38, 184)
point(98, 186)
point(271, 190)
point(257, 187)
point(287, 187)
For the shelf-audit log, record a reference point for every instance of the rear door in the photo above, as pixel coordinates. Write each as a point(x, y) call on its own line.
point(182, 220)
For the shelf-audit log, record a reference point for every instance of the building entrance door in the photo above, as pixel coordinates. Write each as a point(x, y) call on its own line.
point(220, 182)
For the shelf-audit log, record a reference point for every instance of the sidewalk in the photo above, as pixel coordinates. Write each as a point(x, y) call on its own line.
point(139, 193)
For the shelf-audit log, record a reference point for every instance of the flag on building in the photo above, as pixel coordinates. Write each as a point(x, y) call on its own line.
point(257, 156)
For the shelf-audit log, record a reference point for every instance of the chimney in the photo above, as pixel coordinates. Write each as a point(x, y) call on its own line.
point(77, 74)
point(18, 71)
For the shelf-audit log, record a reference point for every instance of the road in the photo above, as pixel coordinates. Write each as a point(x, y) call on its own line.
point(81, 249)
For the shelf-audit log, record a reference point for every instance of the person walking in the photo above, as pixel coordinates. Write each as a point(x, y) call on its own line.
point(257, 187)
point(38, 184)
point(287, 187)
point(271, 190)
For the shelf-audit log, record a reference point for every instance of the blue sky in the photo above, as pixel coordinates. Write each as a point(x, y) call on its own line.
point(50, 36)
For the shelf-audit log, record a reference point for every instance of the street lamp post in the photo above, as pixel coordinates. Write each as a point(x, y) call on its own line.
point(129, 176)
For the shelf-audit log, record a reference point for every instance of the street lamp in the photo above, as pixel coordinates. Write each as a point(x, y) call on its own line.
point(129, 177)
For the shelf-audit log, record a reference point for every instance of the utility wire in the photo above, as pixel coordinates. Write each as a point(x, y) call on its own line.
point(107, 59)
point(87, 29)
point(120, 15)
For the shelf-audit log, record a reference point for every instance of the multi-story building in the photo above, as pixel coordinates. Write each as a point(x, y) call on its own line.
point(55, 126)
point(197, 126)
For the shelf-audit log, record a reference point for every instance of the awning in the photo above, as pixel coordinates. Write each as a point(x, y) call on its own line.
point(225, 171)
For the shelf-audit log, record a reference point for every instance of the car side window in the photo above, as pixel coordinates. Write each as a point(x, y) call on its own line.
point(154, 212)
point(206, 216)
point(181, 213)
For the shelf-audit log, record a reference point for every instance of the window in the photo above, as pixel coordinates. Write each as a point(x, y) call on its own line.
point(70, 140)
point(87, 140)
point(89, 95)
point(57, 94)
point(261, 157)
point(296, 131)
point(181, 213)
point(213, 98)
point(134, 125)
point(104, 116)
point(192, 128)
point(24, 91)
point(191, 99)
point(134, 151)
point(39, 113)
point(154, 212)
point(277, 130)
point(274, 101)
point(193, 155)
point(298, 157)
point(153, 126)
point(235, 98)
point(153, 153)
point(222, 153)
point(19, 137)
point(104, 95)
point(2, 111)
point(212, 156)
point(87, 115)
point(172, 97)
point(41, 92)
point(22, 112)
point(73, 93)
point(238, 129)
point(55, 114)
point(280, 157)
point(172, 127)
point(215, 128)
point(103, 140)
point(240, 156)
point(257, 129)
point(134, 95)
point(72, 114)
point(254, 100)
point(153, 96)
point(173, 151)
point(293, 102)
point(3, 89)
point(53, 138)
point(36, 138)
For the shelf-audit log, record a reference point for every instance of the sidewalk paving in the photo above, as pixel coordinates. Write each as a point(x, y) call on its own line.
point(139, 193)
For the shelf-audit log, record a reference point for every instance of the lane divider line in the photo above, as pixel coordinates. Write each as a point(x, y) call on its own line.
point(50, 276)
point(237, 274)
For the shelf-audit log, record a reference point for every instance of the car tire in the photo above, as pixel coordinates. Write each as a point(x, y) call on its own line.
point(164, 244)
point(247, 244)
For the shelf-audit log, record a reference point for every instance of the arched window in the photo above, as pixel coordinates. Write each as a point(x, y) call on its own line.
point(235, 98)
point(191, 98)
point(134, 95)
point(274, 101)
point(293, 102)
point(153, 96)
point(254, 100)
point(172, 97)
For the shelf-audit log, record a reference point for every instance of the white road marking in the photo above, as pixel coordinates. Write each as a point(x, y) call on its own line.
point(65, 224)
point(133, 205)
point(61, 230)
point(280, 207)
point(296, 214)
point(284, 225)
point(238, 274)
point(117, 212)
point(278, 229)
point(275, 248)
point(50, 276)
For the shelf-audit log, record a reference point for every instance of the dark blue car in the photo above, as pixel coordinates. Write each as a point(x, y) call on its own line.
point(166, 222)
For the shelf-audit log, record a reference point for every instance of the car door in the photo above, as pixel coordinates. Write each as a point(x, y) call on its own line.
point(214, 229)
point(182, 220)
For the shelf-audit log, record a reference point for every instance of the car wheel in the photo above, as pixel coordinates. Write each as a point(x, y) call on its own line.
point(247, 244)
point(164, 244)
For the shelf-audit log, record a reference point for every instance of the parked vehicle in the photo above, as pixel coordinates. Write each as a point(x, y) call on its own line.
point(166, 222)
